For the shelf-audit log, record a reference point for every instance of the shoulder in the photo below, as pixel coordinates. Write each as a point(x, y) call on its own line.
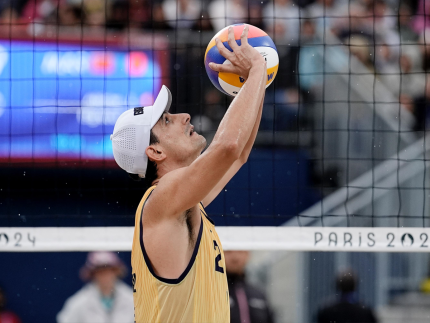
point(158, 198)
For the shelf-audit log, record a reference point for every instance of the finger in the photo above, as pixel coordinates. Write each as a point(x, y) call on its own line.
point(224, 51)
point(232, 41)
point(224, 68)
point(244, 36)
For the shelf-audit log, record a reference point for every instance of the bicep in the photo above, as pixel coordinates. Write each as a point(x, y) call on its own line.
point(185, 187)
point(222, 183)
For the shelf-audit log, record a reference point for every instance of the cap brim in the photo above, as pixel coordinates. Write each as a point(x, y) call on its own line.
point(162, 104)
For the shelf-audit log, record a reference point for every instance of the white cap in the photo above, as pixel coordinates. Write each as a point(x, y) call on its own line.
point(131, 133)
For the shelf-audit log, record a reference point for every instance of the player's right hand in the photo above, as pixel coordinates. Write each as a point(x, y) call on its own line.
point(243, 58)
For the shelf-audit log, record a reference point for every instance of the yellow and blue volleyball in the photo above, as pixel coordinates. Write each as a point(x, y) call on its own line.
point(229, 83)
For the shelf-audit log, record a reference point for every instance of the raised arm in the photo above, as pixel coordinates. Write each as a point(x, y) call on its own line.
point(183, 188)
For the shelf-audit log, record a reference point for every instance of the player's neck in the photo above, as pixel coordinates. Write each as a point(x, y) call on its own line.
point(168, 166)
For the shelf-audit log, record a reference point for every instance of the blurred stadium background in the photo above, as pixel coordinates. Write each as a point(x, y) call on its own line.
point(351, 95)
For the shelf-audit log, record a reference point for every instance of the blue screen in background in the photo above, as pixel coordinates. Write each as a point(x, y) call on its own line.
point(61, 101)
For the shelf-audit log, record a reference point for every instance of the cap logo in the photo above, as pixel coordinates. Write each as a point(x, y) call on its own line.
point(138, 111)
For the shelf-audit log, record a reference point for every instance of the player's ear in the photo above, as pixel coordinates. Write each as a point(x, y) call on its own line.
point(155, 153)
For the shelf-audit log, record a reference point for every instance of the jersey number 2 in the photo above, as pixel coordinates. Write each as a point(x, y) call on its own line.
point(218, 259)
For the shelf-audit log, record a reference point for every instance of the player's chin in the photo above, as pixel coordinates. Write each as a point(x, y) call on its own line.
point(203, 142)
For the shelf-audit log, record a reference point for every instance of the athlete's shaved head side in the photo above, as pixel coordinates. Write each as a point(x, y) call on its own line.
point(151, 170)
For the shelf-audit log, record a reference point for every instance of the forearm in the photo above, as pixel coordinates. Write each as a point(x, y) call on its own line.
point(248, 147)
point(240, 120)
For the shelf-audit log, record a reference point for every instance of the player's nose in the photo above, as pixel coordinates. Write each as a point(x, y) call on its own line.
point(185, 118)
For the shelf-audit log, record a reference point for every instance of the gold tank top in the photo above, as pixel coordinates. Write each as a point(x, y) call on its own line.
point(199, 295)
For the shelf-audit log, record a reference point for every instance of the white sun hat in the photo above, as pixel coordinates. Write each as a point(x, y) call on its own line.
point(131, 133)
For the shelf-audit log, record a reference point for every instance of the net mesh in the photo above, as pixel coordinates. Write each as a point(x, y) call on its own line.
point(342, 140)
point(340, 163)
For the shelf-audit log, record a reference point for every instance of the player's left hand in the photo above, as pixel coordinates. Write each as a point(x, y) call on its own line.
point(243, 57)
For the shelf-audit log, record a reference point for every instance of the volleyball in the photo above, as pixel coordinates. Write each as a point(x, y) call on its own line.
point(229, 83)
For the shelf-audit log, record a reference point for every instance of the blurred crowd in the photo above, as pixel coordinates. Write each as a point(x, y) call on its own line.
point(389, 37)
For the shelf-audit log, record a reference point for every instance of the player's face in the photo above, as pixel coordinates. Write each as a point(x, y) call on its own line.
point(178, 138)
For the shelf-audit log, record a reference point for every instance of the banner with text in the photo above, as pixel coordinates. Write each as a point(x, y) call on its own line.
point(232, 238)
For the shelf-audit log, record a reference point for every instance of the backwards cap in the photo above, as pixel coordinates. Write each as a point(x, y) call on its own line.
point(132, 131)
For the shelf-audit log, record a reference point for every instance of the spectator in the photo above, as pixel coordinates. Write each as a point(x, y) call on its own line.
point(421, 21)
point(118, 18)
point(8, 17)
point(8, 21)
point(158, 20)
point(285, 13)
point(310, 58)
point(347, 308)
point(39, 10)
point(95, 15)
point(133, 14)
point(382, 20)
point(355, 24)
point(16, 5)
point(407, 33)
point(5, 315)
point(386, 65)
point(105, 298)
point(70, 15)
point(424, 42)
point(409, 79)
point(422, 108)
point(247, 303)
point(182, 14)
point(283, 32)
point(328, 14)
point(204, 23)
point(140, 13)
point(256, 14)
point(360, 48)
point(224, 13)
point(407, 102)
point(278, 32)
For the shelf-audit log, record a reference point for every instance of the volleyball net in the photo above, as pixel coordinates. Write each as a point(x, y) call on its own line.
point(341, 159)
point(66, 239)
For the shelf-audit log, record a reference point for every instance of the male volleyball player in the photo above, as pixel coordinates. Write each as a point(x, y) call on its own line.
point(177, 258)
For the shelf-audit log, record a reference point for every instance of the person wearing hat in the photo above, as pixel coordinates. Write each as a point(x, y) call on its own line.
point(177, 257)
point(105, 298)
